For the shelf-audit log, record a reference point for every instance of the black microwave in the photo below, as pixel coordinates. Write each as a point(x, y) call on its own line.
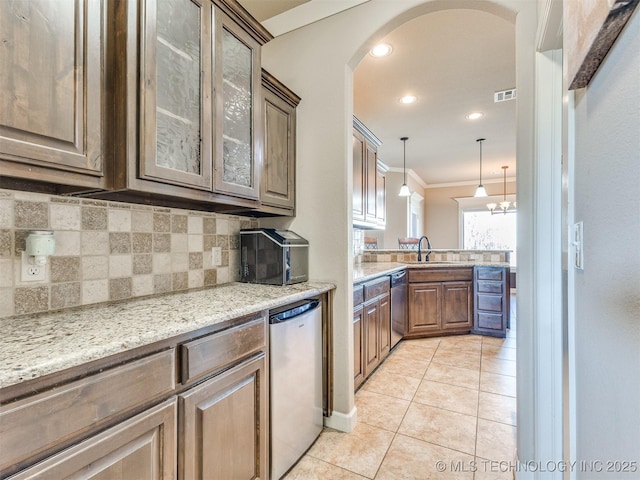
point(274, 257)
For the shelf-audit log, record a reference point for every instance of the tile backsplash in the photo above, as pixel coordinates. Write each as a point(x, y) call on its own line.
point(111, 251)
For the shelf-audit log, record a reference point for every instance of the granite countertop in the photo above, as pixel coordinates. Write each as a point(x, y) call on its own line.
point(36, 345)
point(370, 270)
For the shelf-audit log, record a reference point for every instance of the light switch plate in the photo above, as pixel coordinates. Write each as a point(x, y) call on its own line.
point(216, 256)
point(578, 245)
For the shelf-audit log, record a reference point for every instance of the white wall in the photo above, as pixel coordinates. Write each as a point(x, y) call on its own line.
point(607, 292)
point(317, 62)
point(396, 225)
point(442, 224)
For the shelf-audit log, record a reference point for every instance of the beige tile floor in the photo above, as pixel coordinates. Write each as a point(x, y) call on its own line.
point(437, 408)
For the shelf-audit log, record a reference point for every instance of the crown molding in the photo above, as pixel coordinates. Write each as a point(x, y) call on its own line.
point(411, 173)
point(469, 182)
point(307, 13)
point(464, 183)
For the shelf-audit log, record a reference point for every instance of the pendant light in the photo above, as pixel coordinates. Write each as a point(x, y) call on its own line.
point(404, 190)
point(505, 206)
point(480, 191)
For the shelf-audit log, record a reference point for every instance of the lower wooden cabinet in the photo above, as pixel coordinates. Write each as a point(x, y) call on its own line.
point(358, 362)
point(223, 425)
point(137, 421)
point(424, 307)
point(384, 305)
point(491, 300)
point(440, 301)
point(456, 305)
point(140, 448)
point(371, 327)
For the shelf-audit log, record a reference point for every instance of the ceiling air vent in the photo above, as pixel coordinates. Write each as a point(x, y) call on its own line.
point(504, 95)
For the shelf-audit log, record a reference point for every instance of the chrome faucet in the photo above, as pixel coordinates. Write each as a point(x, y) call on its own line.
point(426, 258)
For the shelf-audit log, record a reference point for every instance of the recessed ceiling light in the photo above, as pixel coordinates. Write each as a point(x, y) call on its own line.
point(474, 115)
point(408, 99)
point(381, 50)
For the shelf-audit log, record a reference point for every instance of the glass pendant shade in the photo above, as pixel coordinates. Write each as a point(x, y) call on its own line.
point(404, 189)
point(480, 191)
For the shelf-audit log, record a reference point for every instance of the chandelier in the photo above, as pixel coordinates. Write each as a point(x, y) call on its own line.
point(505, 206)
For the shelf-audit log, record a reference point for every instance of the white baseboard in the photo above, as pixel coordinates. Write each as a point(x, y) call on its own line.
point(345, 422)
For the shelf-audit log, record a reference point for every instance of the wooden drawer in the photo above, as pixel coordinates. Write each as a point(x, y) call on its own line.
point(490, 273)
point(32, 425)
point(440, 274)
point(489, 303)
point(376, 287)
point(358, 295)
point(213, 352)
point(486, 286)
point(490, 321)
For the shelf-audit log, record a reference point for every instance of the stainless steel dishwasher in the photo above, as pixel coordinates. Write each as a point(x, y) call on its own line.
point(296, 382)
point(398, 306)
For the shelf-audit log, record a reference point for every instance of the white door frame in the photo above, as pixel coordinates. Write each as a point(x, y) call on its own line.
point(540, 346)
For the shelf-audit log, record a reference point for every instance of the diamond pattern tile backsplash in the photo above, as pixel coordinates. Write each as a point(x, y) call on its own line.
point(111, 251)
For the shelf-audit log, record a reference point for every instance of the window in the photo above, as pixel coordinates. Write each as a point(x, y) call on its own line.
point(415, 216)
point(483, 231)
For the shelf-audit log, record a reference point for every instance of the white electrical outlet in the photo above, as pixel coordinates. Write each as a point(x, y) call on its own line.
point(31, 272)
point(216, 256)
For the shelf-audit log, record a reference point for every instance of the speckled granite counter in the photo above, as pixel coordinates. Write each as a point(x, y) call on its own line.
point(36, 345)
point(370, 270)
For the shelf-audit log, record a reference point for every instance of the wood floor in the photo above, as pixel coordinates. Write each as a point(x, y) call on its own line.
point(439, 408)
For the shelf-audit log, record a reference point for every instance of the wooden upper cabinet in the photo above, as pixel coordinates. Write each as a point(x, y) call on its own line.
point(175, 92)
point(371, 168)
point(278, 172)
point(51, 87)
point(381, 197)
point(369, 188)
point(185, 87)
point(359, 180)
point(239, 140)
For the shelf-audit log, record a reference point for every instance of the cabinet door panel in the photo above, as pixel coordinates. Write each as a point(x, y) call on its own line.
point(278, 177)
point(175, 74)
point(238, 131)
point(358, 363)
point(381, 200)
point(141, 448)
point(371, 197)
point(51, 84)
point(385, 325)
point(223, 425)
point(424, 307)
point(371, 337)
point(456, 305)
point(358, 176)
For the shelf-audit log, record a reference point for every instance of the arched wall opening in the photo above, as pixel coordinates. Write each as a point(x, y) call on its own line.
point(317, 62)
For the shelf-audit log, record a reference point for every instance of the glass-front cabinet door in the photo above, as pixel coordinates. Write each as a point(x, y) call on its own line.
point(176, 91)
point(238, 137)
